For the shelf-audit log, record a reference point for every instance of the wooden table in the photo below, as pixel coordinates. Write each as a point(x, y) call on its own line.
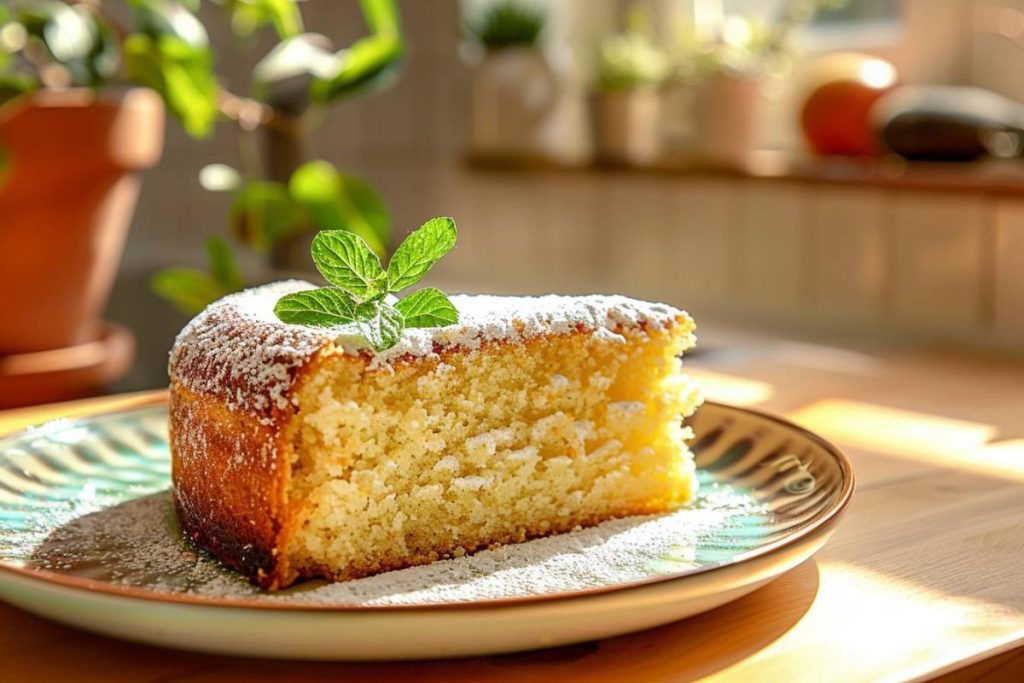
point(924, 578)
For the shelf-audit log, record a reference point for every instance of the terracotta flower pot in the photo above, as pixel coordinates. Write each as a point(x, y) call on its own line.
point(66, 203)
point(627, 126)
point(725, 113)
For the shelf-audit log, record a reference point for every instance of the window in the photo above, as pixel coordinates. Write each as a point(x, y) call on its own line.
point(859, 11)
point(848, 15)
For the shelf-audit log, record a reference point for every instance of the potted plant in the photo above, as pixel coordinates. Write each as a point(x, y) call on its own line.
point(71, 152)
point(626, 105)
point(522, 101)
point(82, 97)
point(725, 67)
point(281, 196)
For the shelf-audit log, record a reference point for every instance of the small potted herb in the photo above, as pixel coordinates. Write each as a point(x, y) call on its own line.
point(626, 104)
point(522, 104)
point(724, 69)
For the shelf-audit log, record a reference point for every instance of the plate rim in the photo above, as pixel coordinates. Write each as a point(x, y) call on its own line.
point(822, 522)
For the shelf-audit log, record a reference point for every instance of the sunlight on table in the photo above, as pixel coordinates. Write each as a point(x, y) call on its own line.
point(739, 391)
point(931, 439)
point(877, 611)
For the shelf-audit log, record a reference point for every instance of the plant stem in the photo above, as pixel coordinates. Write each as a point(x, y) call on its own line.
point(284, 148)
point(284, 151)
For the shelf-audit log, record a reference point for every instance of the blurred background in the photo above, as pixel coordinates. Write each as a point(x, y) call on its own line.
point(829, 171)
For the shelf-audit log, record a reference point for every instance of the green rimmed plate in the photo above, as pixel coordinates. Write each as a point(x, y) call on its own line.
point(88, 537)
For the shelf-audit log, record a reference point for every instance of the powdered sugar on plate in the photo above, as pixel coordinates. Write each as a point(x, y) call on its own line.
point(138, 544)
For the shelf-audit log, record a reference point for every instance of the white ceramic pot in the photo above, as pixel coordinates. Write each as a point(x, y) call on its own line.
point(524, 107)
point(627, 126)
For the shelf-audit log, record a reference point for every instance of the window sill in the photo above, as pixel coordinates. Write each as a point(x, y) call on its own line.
point(991, 177)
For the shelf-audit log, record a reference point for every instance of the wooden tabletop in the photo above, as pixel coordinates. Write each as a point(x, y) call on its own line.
point(924, 578)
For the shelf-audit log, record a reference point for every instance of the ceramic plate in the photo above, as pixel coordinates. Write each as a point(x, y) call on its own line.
point(88, 537)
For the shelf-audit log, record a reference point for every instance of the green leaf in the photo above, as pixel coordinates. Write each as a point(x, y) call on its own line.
point(336, 201)
point(104, 60)
point(263, 214)
point(75, 38)
point(428, 307)
point(508, 23)
point(325, 307)
point(248, 16)
point(371, 63)
point(380, 324)
point(283, 77)
point(380, 15)
point(158, 18)
point(181, 72)
point(420, 251)
point(188, 289)
point(346, 260)
point(14, 85)
point(223, 266)
point(169, 51)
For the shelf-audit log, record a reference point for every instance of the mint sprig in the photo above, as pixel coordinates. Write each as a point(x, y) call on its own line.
point(361, 286)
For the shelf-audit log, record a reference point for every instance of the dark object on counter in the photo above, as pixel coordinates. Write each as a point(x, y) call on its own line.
point(948, 123)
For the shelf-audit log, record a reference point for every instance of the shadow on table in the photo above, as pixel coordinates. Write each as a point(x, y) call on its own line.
point(681, 651)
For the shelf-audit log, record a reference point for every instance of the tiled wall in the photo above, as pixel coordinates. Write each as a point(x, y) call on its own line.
point(1007, 259)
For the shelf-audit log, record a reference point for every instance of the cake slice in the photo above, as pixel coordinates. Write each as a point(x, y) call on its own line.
point(299, 452)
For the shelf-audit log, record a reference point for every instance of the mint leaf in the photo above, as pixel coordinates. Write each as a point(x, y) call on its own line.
point(347, 261)
point(188, 289)
point(380, 324)
point(336, 200)
point(222, 265)
point(325, 307)
point(420, 250)
point(427, 308)
point(262, 214)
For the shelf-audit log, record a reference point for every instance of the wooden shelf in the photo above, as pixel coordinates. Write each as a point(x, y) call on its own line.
point(989, 177)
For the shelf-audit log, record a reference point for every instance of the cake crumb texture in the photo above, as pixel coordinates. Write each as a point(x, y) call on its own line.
point(439, 458)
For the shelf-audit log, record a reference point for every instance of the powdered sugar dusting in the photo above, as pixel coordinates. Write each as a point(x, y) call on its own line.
point(238, 351)
point(139, 544)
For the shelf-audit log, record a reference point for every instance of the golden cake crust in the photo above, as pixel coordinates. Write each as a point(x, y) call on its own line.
point(234, 371)
point(229, 481)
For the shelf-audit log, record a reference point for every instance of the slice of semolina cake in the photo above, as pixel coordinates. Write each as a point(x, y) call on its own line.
point(300, 452)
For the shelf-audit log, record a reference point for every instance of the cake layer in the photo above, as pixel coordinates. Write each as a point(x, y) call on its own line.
point(494, 446)
point(238, 351)
point(299, 452)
